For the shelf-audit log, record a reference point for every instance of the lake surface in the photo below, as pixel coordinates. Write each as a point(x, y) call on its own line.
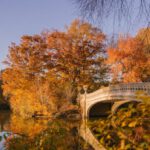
point(17, 133)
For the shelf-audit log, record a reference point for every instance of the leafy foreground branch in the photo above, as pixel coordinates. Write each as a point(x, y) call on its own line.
point(127, 129)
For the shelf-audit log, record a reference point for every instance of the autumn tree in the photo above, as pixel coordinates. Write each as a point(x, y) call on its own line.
point(24, 79)
point(79, 53)
point(45, 70)
point(129, 60)
point(144, 35)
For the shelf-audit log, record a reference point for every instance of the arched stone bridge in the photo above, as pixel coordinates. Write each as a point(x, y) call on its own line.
point(110, 98)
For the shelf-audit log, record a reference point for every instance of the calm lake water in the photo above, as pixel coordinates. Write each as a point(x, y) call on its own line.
point(31, 134)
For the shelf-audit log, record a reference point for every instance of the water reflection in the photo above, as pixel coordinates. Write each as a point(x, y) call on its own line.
point(31, 134)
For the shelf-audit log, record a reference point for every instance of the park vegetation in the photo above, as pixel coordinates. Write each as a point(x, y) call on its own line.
point(46, 71)
point(129, 58)
point(127, 129)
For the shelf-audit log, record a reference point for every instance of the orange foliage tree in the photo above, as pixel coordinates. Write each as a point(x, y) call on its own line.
point(42, 66)
point(130, 60)
point(79, 53)
point(24, 78)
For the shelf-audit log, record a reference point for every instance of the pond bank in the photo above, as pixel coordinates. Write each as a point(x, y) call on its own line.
point(68, 114)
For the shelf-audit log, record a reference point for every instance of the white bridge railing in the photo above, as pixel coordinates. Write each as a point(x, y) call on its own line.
point(143, 86)
point(130, 87)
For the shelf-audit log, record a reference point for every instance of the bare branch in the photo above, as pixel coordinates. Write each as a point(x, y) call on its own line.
point(101, 9)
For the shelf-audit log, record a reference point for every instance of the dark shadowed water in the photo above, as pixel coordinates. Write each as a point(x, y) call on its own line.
point(17, 133)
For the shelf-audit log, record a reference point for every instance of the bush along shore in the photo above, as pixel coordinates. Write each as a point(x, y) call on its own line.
point(127, 129)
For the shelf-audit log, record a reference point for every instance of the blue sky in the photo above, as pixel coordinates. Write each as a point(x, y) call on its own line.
point(19, 17)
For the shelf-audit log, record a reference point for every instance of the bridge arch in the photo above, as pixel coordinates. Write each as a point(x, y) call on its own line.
point(117, 94)
point(117, 105)
point(99, 109)
point(105, 108)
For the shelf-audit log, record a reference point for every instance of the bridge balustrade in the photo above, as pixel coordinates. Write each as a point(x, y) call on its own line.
point(118, 89)
point(143, 86)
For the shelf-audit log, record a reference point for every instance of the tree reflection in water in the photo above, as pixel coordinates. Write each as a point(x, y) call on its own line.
point(31, 134)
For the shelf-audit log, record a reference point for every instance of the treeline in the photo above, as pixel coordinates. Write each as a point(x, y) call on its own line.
point(46, 71)
point(1, 91)
point(4, 103)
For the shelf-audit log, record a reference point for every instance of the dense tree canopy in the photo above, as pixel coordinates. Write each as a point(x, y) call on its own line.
point(79, 53)
point(130, 59)
point(44, 71)
point(43, 67)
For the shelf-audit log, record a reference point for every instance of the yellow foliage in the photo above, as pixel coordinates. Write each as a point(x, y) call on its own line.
point(132, 124)
point(41, 66)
